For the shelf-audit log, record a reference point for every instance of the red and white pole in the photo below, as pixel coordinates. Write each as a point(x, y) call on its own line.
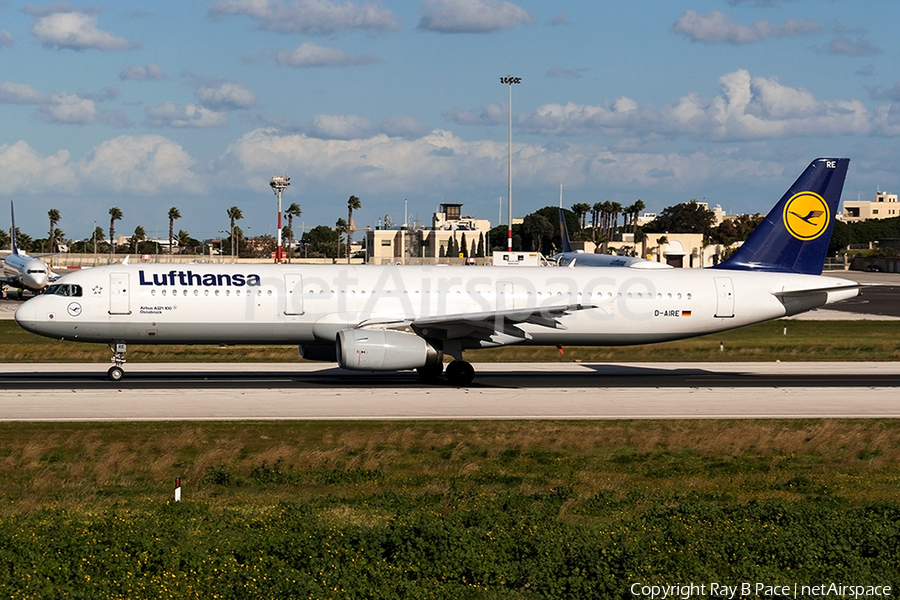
point(178, 489)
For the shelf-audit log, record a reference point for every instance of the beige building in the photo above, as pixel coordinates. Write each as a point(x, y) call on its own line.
point(884, 206)
point(428, 245)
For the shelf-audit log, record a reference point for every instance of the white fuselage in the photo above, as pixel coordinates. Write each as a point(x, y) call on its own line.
point(26, 271)
point(305, 304)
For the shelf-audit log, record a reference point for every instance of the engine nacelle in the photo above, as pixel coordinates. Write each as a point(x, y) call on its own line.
point(382, 350)
point(322, 352)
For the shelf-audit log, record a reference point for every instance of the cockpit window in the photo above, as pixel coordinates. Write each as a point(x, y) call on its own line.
point(64, 289)
point(33, 271)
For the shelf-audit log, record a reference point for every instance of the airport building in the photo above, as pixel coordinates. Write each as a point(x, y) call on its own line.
point(884, 206)
point(412, 244)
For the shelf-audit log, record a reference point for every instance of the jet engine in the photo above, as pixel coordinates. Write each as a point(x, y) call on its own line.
point(383, 350)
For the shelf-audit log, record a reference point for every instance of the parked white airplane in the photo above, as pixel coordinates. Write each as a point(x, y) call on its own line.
point(386, 318)
point(579, 258)
point(21, 270)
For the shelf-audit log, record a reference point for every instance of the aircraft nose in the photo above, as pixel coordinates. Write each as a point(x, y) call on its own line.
point(26, 316)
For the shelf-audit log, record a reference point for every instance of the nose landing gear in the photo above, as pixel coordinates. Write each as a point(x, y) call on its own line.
point(116, 372)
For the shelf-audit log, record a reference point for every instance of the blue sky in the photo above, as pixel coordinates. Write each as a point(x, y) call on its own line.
point(146, 105)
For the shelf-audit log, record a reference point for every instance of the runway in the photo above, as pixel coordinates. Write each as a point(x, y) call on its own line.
point(501, 391)
point(81, 392)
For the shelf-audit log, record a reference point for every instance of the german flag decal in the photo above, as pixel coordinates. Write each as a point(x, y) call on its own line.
point(685, 313)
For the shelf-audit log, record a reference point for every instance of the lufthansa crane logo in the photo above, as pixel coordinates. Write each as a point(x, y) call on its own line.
point(806, 216)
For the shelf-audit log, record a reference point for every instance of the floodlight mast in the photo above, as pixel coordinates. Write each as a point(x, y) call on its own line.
point(279, 183)
point(510, 81)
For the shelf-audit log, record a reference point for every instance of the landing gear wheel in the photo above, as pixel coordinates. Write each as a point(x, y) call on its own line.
point(115, 373)
point(460, 373)
point(430, 373)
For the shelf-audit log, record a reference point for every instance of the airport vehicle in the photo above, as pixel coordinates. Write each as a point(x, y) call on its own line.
point(21, 270)
point(393, 317)
point(579, 258)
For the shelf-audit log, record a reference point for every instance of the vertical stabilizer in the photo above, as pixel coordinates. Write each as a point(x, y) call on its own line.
point(12, 233)
point(564, 232)
point(794, 236)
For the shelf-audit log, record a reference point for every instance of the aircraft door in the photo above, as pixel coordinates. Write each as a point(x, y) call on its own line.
point(119, 296)
point(293, 294)
point(724, 297)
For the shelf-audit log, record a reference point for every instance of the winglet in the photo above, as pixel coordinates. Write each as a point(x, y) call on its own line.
point(794, 236)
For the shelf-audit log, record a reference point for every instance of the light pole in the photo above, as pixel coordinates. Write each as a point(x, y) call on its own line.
point(279, 184)
point(509, 81)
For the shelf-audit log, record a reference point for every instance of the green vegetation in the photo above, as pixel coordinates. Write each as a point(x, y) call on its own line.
point(805, 340)
point(443, 509)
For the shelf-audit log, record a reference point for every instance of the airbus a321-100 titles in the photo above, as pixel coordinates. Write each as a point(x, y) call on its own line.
point(390, 318)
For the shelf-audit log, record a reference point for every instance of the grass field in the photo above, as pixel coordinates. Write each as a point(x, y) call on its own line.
point(443, 509)
point(804, 341)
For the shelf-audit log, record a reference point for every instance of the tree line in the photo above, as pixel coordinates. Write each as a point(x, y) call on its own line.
point(598, 223)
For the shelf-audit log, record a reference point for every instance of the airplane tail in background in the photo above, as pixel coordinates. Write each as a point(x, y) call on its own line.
point(12, 234)
point(564, 232)
point(794, 236)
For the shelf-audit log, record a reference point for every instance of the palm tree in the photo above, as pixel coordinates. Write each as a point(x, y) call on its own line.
point(616, 209)
point(115, 214)
point(54, 219)
point(98, 236)
point(173, 214)
point(637, 207)
point(581, 210)
point(595, 216)
point(235, 214)
point(340, 225)
point(292, 211)
point(137, 237)
point(352, 204)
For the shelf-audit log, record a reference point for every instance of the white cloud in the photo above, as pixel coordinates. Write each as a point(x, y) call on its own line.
point(489, 114)
point(844, 46)
point(441, 161)
point(169, 114)
point(471, 16)
point(6, 39)
point(76, 31)
point(716, 28)
point(143, 165)
point(20, 93)
point(22, 170)
point(311, 17)
point(142, 72)
point(226, 96)
point(749, 108)
point(69, 109)
point(309, 54)
point(340, 127)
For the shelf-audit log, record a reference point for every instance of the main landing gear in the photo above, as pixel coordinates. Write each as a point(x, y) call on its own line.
point(116, 372)
point(459, 373)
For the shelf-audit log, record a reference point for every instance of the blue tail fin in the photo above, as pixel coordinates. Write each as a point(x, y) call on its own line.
point(794, 236)
point(12, 218)
point(564, 232)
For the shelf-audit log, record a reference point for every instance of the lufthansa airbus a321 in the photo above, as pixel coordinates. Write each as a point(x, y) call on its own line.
point(388, 318)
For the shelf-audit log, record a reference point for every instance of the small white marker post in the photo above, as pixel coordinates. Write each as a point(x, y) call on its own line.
point(178, 489)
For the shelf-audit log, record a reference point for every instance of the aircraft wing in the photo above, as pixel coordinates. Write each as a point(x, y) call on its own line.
point(493, 327)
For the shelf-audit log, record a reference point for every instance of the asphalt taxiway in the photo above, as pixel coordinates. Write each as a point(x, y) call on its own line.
point(500, 391)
